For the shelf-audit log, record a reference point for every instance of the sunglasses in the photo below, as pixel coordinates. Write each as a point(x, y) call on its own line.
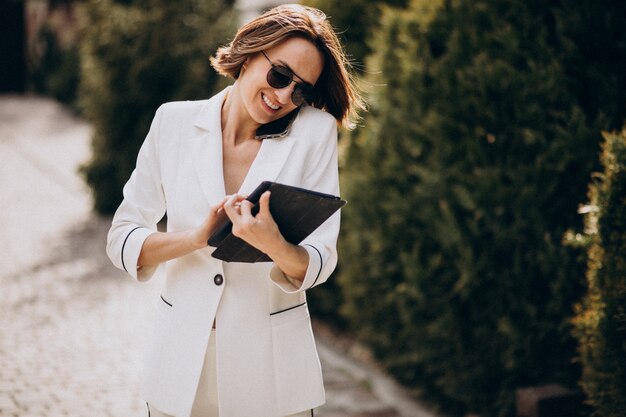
point(280, 76)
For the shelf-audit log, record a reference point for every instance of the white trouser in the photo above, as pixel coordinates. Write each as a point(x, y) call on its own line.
point(156, 413)
point(205, 404)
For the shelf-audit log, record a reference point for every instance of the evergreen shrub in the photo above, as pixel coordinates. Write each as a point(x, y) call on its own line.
point(136, 55)
point(601, 319)
point(55, 71)
point(474, 158)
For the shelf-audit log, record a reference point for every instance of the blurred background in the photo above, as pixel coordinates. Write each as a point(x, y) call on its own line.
point(482, 250)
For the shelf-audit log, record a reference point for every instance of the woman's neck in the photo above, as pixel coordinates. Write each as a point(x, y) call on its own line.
point(237, 125)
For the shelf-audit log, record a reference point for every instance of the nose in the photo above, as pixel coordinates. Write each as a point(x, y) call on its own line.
point(284, 94)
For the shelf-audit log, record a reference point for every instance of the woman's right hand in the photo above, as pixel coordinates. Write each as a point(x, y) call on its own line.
point(164, 246)
point(200, 235)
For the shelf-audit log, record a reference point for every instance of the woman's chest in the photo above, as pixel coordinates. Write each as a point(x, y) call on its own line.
point(236, 162)
point(198, 174)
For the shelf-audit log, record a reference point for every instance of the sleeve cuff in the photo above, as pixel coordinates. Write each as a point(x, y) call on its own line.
point(130, 254)
point(312, 276)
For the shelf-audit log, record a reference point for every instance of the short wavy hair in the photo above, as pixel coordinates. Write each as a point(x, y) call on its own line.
point(335, 91)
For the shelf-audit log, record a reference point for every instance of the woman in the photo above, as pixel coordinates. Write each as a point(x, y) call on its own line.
point(234, 339)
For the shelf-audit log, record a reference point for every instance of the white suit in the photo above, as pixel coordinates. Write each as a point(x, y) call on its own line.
point(267, 363)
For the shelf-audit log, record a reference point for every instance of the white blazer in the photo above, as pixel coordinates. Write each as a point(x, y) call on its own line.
point(267, 363)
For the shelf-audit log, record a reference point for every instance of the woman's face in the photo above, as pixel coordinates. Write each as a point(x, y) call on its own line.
point(265, 103)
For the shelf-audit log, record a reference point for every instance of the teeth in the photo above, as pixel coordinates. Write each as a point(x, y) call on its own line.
point(269, 103)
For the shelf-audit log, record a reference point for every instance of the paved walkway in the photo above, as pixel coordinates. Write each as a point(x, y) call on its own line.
point(72, 327)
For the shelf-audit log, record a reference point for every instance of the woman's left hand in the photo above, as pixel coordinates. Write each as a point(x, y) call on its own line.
point(259, 231)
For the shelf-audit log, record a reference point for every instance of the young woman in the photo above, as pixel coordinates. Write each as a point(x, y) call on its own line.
point(234, 339)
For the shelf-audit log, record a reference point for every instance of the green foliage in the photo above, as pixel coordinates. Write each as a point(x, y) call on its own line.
point(474, 159)
point(601, 318)
point(136, 55)
point(355, 20)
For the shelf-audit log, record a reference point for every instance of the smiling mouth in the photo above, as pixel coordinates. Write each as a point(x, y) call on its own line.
point(269, 104)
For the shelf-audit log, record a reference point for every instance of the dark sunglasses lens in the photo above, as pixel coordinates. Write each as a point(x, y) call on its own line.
point(278, 77)
point(302, 95)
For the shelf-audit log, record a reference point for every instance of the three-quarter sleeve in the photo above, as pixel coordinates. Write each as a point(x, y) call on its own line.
point(140, 211)
point(322, 175)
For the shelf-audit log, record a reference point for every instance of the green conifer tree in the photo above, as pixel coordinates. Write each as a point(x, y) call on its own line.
point(469, 171)
point(601, 318)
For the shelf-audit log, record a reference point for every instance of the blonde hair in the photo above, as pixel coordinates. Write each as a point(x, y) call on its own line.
point(335, 91)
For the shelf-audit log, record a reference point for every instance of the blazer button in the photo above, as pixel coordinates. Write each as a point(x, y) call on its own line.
point(218, 279)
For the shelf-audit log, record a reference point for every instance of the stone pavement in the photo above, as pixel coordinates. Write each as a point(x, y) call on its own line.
point(72, 327)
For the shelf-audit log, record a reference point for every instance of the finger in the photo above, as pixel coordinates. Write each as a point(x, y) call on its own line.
point(230, 199)
point(264, 204)
point(246, 208)
point(234, 200)
point(216, 208)
point(231, 208)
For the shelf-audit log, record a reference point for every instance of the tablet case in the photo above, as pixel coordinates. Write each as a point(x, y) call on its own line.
point(296, 211)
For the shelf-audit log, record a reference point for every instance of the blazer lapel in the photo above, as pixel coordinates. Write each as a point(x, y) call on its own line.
point(207, 149)
point(208, 160)
point(268, 163)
